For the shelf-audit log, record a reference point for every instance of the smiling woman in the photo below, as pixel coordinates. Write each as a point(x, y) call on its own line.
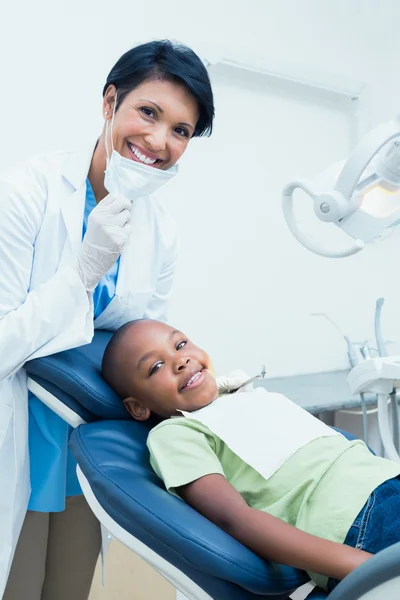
point(83, 245)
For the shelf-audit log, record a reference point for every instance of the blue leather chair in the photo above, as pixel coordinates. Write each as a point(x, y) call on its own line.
point(132, 504)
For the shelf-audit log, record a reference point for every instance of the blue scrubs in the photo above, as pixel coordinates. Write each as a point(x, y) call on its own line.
point(53, 468)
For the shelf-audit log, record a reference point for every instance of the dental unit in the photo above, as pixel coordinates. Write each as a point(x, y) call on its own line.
point(361, 196)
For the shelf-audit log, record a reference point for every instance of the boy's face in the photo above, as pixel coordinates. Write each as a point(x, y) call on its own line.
point(168, 372)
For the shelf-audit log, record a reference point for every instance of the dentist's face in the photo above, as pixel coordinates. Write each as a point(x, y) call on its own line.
point(154, 123)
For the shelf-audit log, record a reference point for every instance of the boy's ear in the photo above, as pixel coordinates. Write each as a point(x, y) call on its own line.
point(136, 410)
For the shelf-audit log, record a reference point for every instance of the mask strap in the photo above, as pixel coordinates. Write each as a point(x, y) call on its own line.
point(111, 130)
point(107, 151)
point(112, 121)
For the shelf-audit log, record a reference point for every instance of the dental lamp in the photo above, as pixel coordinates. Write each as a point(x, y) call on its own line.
point(364, 199)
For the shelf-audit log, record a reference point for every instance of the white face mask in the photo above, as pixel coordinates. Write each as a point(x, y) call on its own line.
point(130, 178)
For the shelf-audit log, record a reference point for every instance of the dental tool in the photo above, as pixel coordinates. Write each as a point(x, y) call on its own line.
point(380, 342)
point(366, 353)
point(381, 345)
point(261, 375)
point(354, 359)
point(351, 350)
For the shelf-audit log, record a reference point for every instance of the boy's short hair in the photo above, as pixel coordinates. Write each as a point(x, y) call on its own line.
point(114, 369)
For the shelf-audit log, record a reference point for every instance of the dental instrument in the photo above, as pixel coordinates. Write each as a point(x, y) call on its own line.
point(251, 380)
point(381, 345)
point(354, 358)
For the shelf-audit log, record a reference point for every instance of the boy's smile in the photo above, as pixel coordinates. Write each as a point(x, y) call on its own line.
point(193, 381)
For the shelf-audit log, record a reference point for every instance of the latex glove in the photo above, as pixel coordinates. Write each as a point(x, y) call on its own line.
point(232, 381)
point(107, 232)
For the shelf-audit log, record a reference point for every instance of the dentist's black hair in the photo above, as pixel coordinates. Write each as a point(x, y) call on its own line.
point(167, 61)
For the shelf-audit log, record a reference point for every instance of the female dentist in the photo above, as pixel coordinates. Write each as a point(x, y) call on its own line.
point(83, 245)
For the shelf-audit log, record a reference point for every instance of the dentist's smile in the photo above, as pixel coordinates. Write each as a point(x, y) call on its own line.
point(143, 156)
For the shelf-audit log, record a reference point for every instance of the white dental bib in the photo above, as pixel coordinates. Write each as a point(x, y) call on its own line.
point(264, 429)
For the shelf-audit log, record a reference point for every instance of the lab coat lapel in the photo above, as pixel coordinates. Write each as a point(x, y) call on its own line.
point(74, 171)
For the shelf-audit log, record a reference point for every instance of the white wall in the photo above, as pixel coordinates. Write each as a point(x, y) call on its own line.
point(54, 58)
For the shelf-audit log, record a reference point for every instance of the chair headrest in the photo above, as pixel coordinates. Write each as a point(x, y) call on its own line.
point(77, 373)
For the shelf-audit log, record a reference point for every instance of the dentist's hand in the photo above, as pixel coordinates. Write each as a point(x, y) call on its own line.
point(107, 232)
point(233, 381)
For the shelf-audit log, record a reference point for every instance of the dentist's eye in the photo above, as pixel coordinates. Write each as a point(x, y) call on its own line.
point(155, 368)
point(149, 112)
point(182, 132)
point(181, 345)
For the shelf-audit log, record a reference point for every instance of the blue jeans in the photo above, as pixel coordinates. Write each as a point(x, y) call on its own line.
point(377, 526)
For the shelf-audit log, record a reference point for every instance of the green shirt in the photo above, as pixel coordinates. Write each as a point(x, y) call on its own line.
point(320, 489)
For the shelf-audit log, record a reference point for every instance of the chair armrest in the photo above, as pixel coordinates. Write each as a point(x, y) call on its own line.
point(382, 569)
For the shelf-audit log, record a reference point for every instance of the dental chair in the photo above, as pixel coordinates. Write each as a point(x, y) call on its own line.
point(197, 557)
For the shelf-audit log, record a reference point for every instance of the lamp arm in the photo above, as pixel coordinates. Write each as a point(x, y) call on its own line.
point(287, 205)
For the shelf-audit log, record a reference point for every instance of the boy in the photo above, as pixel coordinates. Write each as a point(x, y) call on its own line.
point(297, 508)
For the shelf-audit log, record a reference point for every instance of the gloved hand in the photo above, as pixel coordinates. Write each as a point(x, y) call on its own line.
point(232, 381)
point(107, 232)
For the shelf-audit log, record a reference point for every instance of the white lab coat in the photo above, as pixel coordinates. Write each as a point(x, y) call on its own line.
point(44, 307)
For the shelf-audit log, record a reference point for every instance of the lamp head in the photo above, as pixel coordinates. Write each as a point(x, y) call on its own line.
point(363, 199)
